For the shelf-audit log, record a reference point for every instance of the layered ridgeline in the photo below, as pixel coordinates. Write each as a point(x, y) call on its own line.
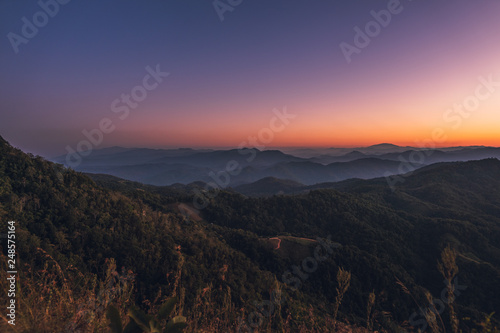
point(226, 262)
point(307, 166)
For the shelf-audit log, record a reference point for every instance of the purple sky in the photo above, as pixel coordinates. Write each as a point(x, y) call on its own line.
point(227, 76)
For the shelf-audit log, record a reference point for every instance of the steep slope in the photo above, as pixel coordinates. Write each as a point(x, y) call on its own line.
point(81, 224)
point(382, 237)
point(455, 203)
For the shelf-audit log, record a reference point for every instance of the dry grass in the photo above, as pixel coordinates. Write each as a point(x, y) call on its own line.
point(449, 269)
point(56, 300)
point(343, 280)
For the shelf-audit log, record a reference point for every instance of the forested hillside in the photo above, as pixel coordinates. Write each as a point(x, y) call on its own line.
point(227, 260)
point(80, 225)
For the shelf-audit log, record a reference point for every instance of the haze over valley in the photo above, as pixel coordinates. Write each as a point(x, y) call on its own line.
point(247, 165)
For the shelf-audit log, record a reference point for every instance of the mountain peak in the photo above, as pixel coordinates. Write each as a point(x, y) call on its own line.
point(354, 153)
point(384, 145)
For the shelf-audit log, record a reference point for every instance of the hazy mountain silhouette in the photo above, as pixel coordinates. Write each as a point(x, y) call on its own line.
point(169, 166)
point(385, 234)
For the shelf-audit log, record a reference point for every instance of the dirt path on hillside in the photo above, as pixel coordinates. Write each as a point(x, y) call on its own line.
point(279, 242)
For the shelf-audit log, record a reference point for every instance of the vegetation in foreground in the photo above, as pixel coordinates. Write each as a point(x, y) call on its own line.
point(70, 229)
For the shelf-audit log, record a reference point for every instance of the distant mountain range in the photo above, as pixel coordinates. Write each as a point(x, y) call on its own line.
point(427, 179)
point(378, 149)
point(237, 167)
point(390, 238)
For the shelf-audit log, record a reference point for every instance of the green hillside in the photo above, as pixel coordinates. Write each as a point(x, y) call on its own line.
point(221, 264)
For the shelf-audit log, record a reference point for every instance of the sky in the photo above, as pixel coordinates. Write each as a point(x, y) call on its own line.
point(426, 71)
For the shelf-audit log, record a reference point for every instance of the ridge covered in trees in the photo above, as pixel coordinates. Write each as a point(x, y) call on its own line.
point(223, 264)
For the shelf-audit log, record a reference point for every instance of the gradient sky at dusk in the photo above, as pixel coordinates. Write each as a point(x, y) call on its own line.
point(227, 77)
